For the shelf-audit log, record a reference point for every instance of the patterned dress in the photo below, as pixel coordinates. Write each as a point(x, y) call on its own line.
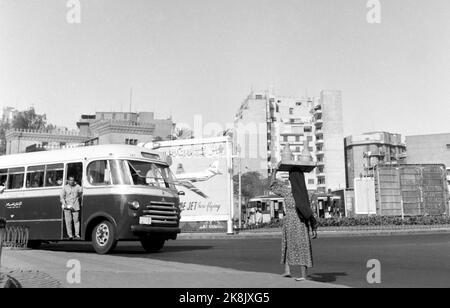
point(296, 242)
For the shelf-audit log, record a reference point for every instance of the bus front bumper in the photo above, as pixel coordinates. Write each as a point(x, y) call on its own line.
point(154, 230)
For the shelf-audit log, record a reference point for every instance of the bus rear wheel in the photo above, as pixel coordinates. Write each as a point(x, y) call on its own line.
point(104, 237)
point(152, 245)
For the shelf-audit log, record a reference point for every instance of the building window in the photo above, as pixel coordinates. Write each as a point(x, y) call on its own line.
point(311, 182)
point(297, 149)
point(131, 141)
point(291, 110)
point(307, 129)
point(297, 138)
point(285, 138)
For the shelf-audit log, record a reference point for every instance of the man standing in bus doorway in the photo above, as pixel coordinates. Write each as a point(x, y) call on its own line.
point(70, 200)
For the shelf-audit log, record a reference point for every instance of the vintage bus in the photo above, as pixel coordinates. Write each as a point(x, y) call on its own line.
point(129, 193)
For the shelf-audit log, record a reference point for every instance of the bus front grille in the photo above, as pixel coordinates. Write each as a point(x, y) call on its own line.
point(164, 213)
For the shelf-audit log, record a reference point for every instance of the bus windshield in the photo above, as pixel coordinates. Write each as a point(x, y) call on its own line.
point(151, 174)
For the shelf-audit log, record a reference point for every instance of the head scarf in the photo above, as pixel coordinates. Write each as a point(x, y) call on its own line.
point(300, 193)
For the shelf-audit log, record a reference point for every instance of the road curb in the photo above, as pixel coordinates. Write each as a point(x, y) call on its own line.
point(323, 234)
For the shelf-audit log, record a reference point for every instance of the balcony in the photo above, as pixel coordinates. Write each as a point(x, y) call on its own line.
point(320, 163)
point(319, 132)
point(318, 123)
point(319, 141)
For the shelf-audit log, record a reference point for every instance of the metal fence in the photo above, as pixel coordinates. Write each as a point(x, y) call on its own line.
point(411, 190)
point(13, 237)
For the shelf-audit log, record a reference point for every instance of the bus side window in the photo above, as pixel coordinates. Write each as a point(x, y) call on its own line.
point(3, 177)
point(54, 175)
point(35, 176)
point(98, 173)
point(16, 178)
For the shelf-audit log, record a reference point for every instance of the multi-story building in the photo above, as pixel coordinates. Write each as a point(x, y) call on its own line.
point(429, 149)
point(329, 131)
point(101, 128)
point(365, 151)
point(266, 123)
point(251, 136)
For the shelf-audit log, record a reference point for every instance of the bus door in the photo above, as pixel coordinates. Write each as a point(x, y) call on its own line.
point(74, 170)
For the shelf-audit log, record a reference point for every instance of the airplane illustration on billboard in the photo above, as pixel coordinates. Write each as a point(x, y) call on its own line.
point(186, 179)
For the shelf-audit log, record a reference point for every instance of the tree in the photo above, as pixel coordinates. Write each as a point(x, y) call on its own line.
point(253, 184)
point(4, 126)
point(29, 119)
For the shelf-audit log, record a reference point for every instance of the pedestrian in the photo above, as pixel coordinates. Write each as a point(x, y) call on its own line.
point(299, 224)
point(259, 217)
point(70, 200)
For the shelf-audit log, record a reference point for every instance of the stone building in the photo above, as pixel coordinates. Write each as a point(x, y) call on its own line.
point(101, 128)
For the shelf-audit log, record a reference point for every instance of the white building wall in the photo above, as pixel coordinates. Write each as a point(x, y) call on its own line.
point(333, 136)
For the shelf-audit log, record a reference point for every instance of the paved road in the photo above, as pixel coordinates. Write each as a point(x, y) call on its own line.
point(407, 261)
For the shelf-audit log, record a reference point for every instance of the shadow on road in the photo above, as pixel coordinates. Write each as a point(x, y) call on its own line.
point(326, 277)
point(123, 250)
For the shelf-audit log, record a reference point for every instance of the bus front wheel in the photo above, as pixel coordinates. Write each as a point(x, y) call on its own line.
point(103, 237)
point(152, 245)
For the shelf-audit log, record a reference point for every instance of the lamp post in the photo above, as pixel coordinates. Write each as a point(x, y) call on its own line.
point(240, 190)
point(238, 156)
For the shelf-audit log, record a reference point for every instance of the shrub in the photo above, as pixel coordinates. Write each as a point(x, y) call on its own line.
point(367, 221)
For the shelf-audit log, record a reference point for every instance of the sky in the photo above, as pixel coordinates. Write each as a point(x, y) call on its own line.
point(202, 57)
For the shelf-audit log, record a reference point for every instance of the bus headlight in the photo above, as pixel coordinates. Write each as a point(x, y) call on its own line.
point(134, 205)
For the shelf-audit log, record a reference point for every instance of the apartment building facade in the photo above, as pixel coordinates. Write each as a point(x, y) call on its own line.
point(266, 123)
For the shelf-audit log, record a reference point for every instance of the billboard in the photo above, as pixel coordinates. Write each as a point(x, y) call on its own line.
point(365, 203)
point(202, 168)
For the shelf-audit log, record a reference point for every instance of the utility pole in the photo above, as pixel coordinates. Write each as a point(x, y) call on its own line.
point(240, 187)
